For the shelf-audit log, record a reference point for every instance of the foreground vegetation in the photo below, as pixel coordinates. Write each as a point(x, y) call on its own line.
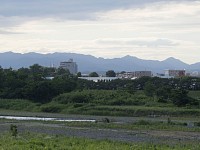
point(40, 142)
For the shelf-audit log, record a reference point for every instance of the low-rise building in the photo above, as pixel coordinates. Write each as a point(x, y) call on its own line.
point(99, 79)
point(134, 75)
point(195, 74)
point(175, 73)
point(139, 74)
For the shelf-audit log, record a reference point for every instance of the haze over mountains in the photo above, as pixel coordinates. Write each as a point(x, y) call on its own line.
point(88, 63)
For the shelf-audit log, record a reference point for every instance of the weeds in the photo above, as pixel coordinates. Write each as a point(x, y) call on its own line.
point(13, 130)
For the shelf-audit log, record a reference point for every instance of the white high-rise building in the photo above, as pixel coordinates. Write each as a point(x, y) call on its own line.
point(70, 65)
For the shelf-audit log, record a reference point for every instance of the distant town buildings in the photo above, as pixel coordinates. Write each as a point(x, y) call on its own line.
point(195, 74)
point(139, 74)
point(134, 75)
point(175, 73)
point(70, 65)
point(99, 79)
point(168, 73)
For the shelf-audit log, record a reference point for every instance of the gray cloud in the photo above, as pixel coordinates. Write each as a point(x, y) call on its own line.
point(9, 32)
point(147, 43)
point(15, 12)
point(76, 9)
point(155, 43)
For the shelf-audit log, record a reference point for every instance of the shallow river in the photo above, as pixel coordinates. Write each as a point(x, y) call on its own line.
point(45, 119)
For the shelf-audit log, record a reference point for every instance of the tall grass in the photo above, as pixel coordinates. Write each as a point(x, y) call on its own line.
point(18, 104)
point(104, 102)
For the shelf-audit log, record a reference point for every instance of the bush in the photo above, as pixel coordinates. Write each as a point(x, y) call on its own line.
point(17, 104)
point(143, 122)
point(197, 124)
point(13, 130)
point(102, 97)
point(179, 97)
point(51, 109)
point(78, 105)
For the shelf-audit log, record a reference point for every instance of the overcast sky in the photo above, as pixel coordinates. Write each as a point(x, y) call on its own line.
point(148, 29)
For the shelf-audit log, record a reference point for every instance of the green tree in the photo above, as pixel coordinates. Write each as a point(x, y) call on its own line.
point(13, 130)
point(41, 92)
point(2, 77)
point(61, 72)
point(149, 89)
point(36, 69)
point(179, 97)
point(23, 73)
point(163, 93)
point(79, 74)
point(63, 85)
point(130, 88)
point(93, 74)
point(110, 73)
point(49, 71)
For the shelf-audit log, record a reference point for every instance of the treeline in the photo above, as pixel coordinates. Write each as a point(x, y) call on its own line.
point(33, 83)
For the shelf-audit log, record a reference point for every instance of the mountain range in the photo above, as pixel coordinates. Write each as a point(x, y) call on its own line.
point(88, 63)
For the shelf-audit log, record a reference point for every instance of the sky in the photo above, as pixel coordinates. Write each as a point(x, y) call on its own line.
point(147, 29)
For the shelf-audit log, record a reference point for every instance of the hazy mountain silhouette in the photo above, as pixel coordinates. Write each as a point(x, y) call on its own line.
point(87, 63)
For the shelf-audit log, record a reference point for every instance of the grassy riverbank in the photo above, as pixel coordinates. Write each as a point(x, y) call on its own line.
point(111, 122)
point(140, 133)
point(110, 103)
point(42, 141)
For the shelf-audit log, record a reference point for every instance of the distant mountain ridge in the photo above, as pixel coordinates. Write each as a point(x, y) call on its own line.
point(88, 63)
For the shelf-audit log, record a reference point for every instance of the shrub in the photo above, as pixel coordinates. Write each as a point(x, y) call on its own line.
point(51, 109)
point(13, 130)
point(102, 97)
point(143, 122)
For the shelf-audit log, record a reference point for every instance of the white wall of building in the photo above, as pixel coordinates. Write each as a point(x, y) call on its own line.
point(70, 65)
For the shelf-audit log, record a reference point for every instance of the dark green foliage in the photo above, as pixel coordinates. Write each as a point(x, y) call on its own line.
point(179, 97)
point(110, 73)
point(17, 104)
point(13, 130)
point(163, 93)
point(198, 124)
point(149, 89)
point(31, 83)
point(103, 97)
point(51, 109)
point(79, 74)
point(63, 72)
point(43, 92)
point(130, 88)
point(169, 121)
point(74, 97)
point(106, 120)
point(93, 74)
point(142, 122)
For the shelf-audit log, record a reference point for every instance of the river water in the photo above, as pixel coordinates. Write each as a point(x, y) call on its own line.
point(46, 119)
